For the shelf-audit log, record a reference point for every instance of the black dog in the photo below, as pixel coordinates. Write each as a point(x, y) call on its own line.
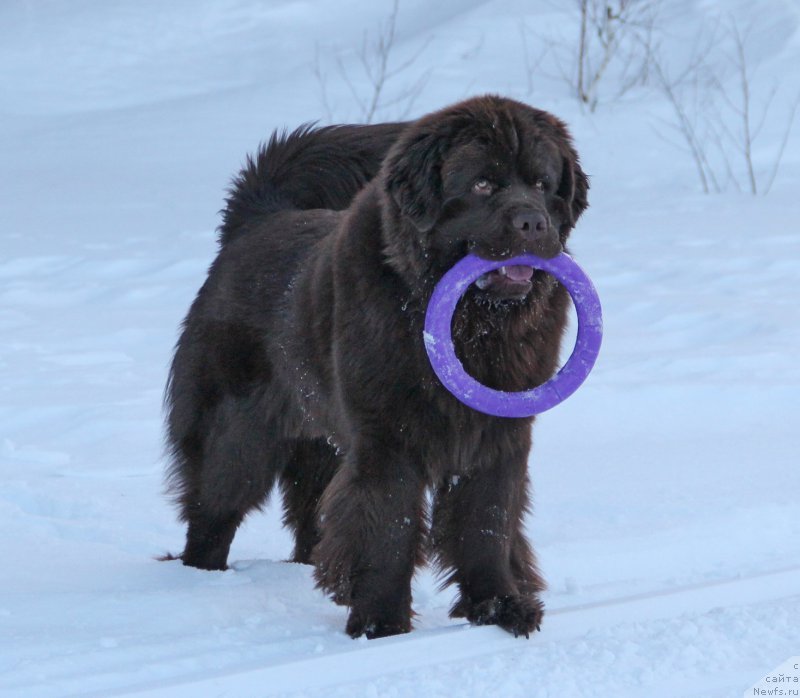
point(302, 357)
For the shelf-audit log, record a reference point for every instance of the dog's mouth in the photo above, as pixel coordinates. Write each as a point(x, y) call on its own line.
point(507, 281)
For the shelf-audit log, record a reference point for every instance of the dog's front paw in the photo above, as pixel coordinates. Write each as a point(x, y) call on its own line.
point(373, 626)
point(520, 615)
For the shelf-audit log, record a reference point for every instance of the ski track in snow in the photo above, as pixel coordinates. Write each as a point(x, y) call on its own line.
point(666, 489)
point(463, 642)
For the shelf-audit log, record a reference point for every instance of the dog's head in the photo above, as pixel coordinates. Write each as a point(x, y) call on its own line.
point(490, 176)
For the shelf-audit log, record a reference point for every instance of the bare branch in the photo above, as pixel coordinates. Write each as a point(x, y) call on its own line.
point(765, 111)
point(530, 67)
point(353, 91)
point(744, 86)
point(686, 128)
point(782, 147)
point(322, 81)
point(612, 32)
point(374, 62)
point(582, 50)
point(713, 119)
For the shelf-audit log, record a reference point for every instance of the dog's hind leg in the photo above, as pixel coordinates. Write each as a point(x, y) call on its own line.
point(311, 466)
point(231, 472)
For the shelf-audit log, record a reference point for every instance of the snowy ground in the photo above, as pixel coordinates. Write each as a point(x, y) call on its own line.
point(667, 506)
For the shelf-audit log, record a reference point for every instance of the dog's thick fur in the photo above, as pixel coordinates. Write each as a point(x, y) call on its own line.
point(302, 360)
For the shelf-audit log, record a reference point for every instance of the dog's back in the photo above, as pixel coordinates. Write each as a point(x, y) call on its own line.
point(309, 168)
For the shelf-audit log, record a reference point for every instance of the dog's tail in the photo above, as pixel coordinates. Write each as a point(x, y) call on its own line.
point(307, 168)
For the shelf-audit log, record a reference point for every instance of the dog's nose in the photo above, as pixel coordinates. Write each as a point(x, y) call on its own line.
point(530, 223)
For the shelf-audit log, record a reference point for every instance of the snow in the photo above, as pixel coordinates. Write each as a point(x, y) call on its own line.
point(667, 490)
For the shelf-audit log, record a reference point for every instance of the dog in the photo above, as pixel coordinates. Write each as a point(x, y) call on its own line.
point(301, 360)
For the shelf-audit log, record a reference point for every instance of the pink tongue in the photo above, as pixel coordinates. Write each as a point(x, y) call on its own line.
point(519, 272)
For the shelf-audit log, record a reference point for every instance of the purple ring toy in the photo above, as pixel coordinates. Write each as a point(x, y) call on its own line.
point(526, 403)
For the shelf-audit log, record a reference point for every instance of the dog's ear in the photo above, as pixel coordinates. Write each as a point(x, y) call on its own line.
point(574, 185)
point(413, 179)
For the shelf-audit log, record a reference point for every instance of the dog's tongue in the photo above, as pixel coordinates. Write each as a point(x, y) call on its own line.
point(519, 272)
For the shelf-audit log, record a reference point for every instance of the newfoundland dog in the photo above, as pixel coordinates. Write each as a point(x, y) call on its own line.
point(302, 362)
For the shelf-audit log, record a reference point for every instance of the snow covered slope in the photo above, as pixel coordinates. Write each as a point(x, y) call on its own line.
point(667, 490)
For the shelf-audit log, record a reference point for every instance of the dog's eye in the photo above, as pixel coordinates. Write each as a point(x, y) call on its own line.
point(540, 184)
point(483, 186)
